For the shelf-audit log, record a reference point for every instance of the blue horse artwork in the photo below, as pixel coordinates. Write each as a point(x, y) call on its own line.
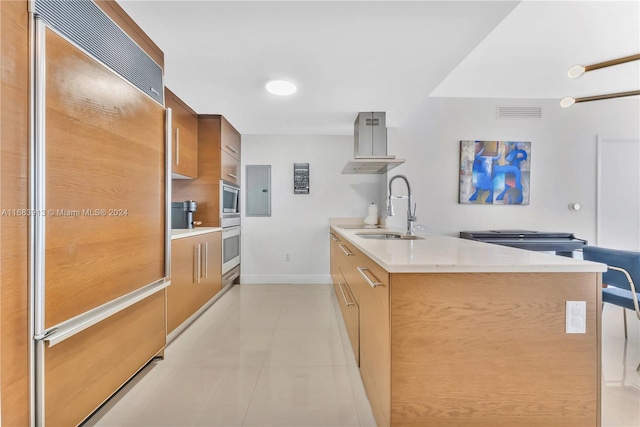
point(494, 172)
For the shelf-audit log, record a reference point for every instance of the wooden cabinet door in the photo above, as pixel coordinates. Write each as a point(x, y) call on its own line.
point(229, 139)
point(184, 137)
point(196, 270)
point(181, 296)
point(105, 194)
point(230, 168)
point(211, 270)
point(375, 339)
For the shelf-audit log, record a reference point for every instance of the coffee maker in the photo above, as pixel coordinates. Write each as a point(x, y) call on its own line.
point(182, 214)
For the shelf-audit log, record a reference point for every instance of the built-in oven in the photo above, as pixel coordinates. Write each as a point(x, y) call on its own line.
point(229, 204)
point(230, 249)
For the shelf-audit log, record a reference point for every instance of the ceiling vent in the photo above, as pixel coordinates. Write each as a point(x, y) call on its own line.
point(503, 112)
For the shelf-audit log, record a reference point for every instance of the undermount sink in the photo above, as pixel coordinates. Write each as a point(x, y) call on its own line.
point(388, 236)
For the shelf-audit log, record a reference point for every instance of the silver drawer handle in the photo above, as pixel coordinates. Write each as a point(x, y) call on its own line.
point(346, 251)
point(344, 297)
point(232, 149)
point(372, 284)
point(333, 237)
point(232, 176)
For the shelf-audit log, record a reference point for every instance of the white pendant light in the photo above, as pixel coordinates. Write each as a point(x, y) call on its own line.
point(281, 87)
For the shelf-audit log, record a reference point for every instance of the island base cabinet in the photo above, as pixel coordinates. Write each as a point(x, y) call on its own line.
point(490, 350)
point(86, 369)
point(474, 349)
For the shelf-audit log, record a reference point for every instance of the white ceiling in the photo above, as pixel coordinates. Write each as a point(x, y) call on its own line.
point(388, 56)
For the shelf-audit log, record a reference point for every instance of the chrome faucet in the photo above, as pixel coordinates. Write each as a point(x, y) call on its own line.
point(411, 216)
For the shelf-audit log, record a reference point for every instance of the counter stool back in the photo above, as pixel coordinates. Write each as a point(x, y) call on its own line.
point(622, 278)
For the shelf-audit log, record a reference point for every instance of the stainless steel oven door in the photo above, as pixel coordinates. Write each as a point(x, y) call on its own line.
point(230, 248)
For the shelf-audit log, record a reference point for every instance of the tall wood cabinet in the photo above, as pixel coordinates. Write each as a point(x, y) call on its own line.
point(184, 137)
point(114, 347)
point(218, 159)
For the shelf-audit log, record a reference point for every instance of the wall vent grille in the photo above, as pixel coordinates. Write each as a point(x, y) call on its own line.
point(511, 112)
point(86, 25)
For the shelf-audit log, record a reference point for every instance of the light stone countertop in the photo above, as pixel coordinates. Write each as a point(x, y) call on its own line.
point(181, 233)
point(446, 254)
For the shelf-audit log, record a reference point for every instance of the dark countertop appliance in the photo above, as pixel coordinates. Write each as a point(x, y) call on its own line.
point(182, 214)
point(561, 243)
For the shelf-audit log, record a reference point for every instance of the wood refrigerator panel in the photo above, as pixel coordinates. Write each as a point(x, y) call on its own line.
point(84, 370)
point(105, 156)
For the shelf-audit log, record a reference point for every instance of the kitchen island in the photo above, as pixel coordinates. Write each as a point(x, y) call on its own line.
point(453, 332)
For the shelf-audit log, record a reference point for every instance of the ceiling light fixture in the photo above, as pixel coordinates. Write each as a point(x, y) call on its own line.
point(578, 70)
point(567, 101)
point(281, 87)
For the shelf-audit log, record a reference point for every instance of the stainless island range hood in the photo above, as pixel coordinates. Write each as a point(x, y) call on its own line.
point(370, 146)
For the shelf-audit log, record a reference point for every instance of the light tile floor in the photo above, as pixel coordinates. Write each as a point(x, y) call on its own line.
point(278, 355)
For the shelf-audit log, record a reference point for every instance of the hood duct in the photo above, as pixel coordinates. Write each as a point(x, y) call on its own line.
point(370, 146)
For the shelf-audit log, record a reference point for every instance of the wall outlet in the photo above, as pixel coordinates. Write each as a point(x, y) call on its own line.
point(576, 312)
point(356, 213)
point(287, 257)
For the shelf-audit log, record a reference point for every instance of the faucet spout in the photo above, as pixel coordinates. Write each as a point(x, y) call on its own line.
point(411, 214)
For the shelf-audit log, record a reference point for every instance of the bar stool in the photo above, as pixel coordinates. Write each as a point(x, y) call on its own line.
point(622, 278)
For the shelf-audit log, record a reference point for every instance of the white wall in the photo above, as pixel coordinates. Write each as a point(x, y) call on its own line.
point(299, 224)
point(563, 161)
point(563, 170)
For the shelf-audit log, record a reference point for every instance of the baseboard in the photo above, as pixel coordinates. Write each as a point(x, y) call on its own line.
point(184, 325)
point(315, 279)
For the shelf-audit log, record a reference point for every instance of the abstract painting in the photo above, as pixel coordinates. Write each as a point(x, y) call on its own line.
point(495, 172)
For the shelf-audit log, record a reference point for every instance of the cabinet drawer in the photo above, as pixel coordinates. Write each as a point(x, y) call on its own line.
point(347, 258)
point(84, 370)
point(230, 168)
point(375, 335)
point(229, 139)
point(350, 314)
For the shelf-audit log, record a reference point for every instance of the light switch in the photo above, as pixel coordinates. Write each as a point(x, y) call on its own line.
point(576, 312)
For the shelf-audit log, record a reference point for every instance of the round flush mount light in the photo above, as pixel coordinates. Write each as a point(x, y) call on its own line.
point(281, 87)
